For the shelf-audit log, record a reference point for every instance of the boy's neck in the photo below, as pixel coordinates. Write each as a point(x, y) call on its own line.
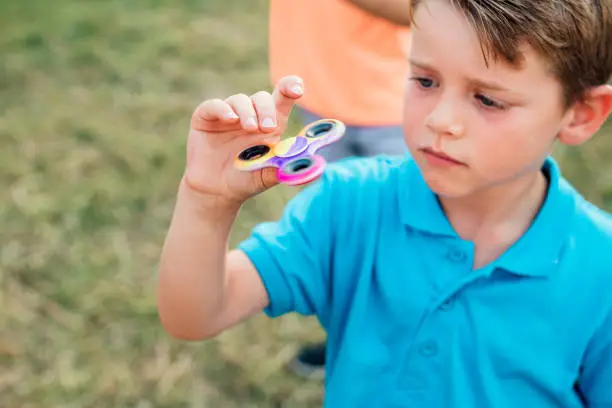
point(500, 215)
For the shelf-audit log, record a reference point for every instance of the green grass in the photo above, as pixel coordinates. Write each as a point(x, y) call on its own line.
point(95, 100)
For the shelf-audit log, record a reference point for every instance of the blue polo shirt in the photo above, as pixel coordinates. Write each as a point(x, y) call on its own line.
point(368, 250)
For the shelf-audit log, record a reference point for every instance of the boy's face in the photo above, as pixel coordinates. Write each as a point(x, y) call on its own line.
point(496, 123)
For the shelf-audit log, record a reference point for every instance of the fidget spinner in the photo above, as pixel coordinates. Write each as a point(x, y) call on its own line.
point(295, 157)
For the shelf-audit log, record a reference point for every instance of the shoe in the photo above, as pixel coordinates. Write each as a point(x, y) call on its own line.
point(309, 363)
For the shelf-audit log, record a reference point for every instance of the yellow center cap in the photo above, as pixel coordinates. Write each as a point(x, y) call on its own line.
point(283, 146)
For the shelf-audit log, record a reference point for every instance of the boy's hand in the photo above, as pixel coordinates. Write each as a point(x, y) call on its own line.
point(220, 129)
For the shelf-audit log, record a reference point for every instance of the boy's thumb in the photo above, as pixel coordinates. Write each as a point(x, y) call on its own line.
point(267, 178)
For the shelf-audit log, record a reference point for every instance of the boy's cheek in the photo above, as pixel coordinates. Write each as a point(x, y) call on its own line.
point(409, 135)
point(414, 117)
point(414, 125)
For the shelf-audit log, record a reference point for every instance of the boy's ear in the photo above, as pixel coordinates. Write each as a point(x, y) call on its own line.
point(587, 116)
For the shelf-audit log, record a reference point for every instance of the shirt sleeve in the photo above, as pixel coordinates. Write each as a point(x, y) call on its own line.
point(595, 382)
point(293, 255)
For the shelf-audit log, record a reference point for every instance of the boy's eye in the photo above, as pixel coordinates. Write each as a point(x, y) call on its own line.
point(489, 103)
point(424, 82)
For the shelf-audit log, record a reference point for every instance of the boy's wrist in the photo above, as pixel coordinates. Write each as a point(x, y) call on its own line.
point(208, 206)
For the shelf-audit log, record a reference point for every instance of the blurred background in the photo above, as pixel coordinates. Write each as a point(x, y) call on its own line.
point(95, 102)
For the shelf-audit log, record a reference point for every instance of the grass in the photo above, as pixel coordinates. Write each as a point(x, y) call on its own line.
point(95, 99)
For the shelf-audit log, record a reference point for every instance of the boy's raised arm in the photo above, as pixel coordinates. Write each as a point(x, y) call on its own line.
point(202, 288)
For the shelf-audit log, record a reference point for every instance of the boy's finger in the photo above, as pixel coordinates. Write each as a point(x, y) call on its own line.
point(287, 91)
point(212, 110)
point(266, 110)
point(243, 107)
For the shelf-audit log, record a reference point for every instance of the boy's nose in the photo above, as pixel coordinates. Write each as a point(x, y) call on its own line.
point(445, 119)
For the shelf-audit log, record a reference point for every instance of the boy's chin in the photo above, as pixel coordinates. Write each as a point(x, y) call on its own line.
point(447, 188)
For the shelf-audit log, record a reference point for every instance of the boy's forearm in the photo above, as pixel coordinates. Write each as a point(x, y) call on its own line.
point(191, 278)
point(396, 11)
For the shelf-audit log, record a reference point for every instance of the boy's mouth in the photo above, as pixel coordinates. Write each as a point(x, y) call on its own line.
point(438, 158)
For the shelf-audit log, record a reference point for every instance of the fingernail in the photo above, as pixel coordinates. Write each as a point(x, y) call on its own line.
point(297, 89)
point(250, 122)
point(268, 123)
point(231, 115)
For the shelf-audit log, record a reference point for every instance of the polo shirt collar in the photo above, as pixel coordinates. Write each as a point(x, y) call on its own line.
point(536, 253)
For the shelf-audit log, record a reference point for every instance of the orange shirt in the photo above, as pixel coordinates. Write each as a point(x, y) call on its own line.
point(353, 64)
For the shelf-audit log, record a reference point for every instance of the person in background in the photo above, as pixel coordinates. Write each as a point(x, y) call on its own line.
point(354, 73)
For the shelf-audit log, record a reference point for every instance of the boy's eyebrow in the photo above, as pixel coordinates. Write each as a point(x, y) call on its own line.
point(489, 85)
point(421, 65)
point(493, 86)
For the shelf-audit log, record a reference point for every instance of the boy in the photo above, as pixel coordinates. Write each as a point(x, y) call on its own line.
point(473, 274)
